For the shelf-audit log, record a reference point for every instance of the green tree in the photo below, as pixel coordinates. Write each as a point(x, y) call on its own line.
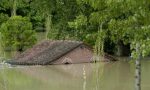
point(65, 11)
point(3, 18)
point(43, 10)
point(17, 33)
point(13, 5)
point(125, 20)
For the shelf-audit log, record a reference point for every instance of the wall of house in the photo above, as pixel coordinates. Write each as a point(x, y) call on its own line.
point(82, 54)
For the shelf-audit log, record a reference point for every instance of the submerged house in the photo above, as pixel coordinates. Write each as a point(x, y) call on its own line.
point(55, 52)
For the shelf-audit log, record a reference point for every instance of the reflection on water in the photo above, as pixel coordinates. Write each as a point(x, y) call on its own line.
point(100, 76)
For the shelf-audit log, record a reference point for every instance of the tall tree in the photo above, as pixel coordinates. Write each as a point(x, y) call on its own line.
point(122, 20)
point(12, 5)
point(44, 9)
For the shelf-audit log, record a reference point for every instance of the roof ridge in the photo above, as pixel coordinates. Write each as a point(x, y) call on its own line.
point(64, 53)
point(47, 51)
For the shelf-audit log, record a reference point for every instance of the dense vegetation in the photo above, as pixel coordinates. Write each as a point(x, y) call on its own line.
point(113, 26)
point(17, 33)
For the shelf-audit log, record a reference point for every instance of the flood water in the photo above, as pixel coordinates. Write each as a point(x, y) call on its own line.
point(88, 76)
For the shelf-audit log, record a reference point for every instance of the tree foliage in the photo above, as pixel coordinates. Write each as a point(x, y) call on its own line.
point(3, 18)
point(122, 20)
point(17, 33)
point(96, 22)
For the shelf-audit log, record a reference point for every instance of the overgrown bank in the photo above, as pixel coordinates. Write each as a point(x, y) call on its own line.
point(109, 26)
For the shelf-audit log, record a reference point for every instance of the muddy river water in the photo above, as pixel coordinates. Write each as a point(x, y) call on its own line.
point(88, 76)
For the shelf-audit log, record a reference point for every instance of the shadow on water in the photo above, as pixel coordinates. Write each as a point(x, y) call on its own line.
point(89, 76)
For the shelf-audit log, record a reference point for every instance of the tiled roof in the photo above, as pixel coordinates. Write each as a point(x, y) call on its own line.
point(45, 52)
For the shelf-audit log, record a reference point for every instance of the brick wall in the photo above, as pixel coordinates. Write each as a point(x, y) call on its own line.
point(81, 54)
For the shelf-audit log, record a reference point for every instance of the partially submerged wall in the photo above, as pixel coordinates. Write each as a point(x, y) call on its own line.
point(81, 54)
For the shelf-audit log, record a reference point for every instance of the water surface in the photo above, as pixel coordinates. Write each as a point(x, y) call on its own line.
point(89, 76)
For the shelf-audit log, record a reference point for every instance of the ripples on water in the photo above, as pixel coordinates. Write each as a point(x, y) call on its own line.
point(4, 65)
point(100, 76)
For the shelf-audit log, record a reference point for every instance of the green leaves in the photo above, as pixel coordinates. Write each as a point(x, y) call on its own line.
point(96, 4)
point(17, 33)
point(3, 18)
point(78, 22)
point(43, 7)
point(124, 20)
point(13, 5)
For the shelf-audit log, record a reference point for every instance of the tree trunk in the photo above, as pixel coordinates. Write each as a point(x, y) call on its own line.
point(138, 69)
point(48, 25)
point(14, 8)
point(99, 45)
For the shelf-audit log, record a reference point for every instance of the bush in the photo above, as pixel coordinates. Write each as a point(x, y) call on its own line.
point(17, 33)
point(3, 18)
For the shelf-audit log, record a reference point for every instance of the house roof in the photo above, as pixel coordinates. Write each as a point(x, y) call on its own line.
point(45, 52)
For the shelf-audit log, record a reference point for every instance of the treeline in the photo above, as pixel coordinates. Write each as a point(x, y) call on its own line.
point(113, 26)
